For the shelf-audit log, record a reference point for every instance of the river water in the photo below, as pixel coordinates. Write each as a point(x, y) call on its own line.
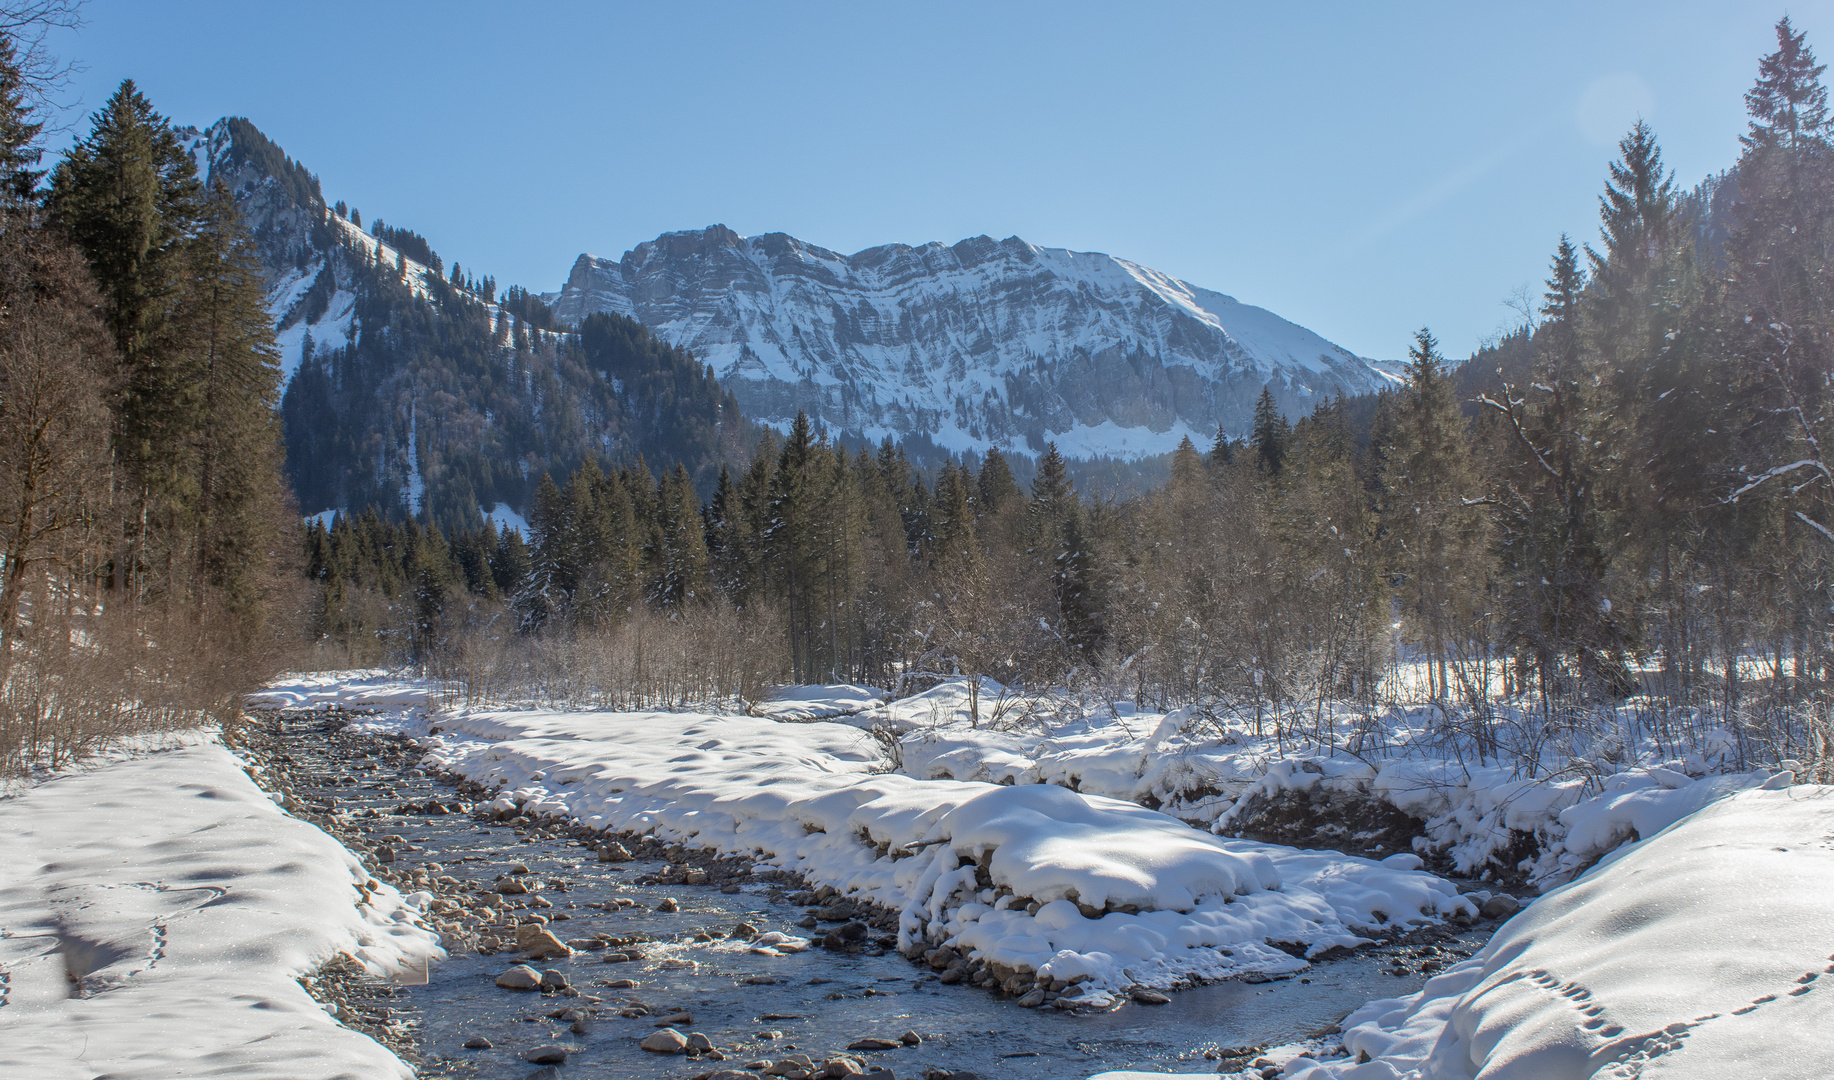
point(819, 1001)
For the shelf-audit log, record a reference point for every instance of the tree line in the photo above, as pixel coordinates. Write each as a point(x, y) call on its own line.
point(148, 542)
point(1628, 495)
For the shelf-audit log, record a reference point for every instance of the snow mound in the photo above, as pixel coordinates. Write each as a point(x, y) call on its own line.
point(794, 703)
point(1703, 950)
point(1122, 893)
point(157, 911)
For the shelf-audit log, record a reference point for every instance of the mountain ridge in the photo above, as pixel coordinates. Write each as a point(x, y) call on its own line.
point(968, 345)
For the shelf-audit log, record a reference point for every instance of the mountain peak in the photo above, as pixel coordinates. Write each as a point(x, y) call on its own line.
point(977, 344)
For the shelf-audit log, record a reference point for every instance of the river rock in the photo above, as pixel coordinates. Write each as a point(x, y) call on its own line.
point(520, 977)
point(678, 1018)
point(479, 1042)
point(614, 852)
point(910, 1038)
point(1501, 906)
point(1150, 997)
point(545, 1055)
point(553, 980)
point(697, 1041)
point(1032, 999)
point(668, 906)
point(873, 1044)
point(537, 943)
point(511, 887)
point(666, 1041)
point(841, 1066)
point(621, 984)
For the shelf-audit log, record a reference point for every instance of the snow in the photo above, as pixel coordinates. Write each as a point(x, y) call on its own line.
point(1203, 770)
point(157, 909)
point(355, 688)
point(939, 340)
point(1160, 902)
point(1699, 951)
point(505, 518)
point(819, 702)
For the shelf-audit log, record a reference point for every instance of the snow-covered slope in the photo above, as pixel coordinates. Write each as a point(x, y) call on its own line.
point(982, 343)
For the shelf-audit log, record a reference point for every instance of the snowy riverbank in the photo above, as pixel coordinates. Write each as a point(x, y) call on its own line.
point(1703, 950)
point(1033, 878)
point(158, 909)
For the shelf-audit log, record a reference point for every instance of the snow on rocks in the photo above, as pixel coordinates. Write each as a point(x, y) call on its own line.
point(1702, 950)
point(791, 703)
point(367, 688)
point(157, 911)
point(1540, 828)
point(1033, 879)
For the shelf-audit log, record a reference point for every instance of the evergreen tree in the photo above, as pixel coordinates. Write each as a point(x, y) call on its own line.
point(19, 131)
point(1271, 433)
point(1436, 533)
point(234, 381)
point(996, 487)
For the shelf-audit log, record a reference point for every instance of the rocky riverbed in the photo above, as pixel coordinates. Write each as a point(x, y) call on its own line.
point(576, 954)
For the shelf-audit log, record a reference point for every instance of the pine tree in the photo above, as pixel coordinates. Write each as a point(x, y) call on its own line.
point(1436, 532)
point(1271, 433)
point(682, 545)
point(1788, 104)
point(128, 194)
point(234, 380)
point(19, 131)
point(996, 487)
point(1222, 450)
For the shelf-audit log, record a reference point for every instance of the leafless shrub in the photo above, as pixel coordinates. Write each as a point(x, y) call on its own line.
point(648, 660)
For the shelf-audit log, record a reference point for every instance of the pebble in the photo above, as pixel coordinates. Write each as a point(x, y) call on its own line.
point(520, 977)
point(668, 906)
point(874, 1044)
point(697, 1041)
point(666, 1041)
point(622, 984)
point(479, 1042)
point(910, 1038)
point(546, 1055)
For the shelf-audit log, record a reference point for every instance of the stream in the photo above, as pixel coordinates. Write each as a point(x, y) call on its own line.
point(751, 1007)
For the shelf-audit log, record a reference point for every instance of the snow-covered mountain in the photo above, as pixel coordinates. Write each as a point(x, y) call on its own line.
point(981, 343)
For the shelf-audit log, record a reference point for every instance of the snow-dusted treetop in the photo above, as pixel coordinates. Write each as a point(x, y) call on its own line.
point(981, 343)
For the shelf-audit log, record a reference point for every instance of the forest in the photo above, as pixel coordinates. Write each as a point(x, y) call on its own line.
point(1626, 500)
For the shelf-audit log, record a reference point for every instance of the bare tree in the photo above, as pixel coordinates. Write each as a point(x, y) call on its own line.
point(55, 361)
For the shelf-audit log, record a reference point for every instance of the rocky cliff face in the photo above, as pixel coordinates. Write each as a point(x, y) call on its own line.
point(981, 343)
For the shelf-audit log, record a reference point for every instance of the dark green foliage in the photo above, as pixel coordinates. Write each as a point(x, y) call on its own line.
point(1271, 434)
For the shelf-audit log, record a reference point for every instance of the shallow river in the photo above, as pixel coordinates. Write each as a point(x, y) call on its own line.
point(822, 1000)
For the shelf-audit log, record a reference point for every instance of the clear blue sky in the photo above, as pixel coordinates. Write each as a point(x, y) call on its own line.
point(1360, 168)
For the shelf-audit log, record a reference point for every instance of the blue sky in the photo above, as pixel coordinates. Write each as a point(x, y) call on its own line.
point(1362, 169)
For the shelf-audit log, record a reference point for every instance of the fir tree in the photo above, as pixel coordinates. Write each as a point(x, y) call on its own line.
point(1271, 433)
